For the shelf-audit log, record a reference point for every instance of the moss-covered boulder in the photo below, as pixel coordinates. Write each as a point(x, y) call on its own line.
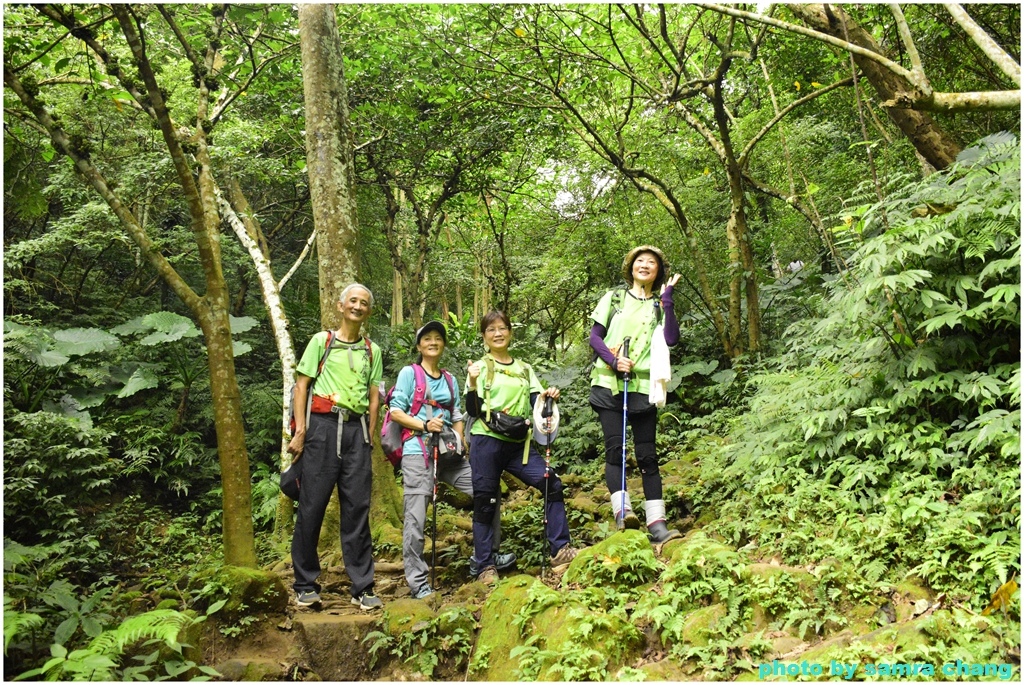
point(668, 670)
point(567, 640)
point(247, 591)
point(696, 561)
point(402, 615)
point(586, 504)
point(700, 625)
point(623, 560)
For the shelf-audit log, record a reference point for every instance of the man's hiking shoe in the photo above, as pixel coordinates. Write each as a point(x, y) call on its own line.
point(630, 521)
point(489, 576)
point(502, 562)
point(661, 533)
point(564, 556)
point(307, 598)
point(367, 601)
point(423, 592)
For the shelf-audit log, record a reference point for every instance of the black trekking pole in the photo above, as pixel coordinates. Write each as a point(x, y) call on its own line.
point(546, 415)
point(621, 523)
point(433, 533)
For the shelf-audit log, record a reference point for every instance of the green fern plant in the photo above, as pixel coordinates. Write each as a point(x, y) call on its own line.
point(100, 659)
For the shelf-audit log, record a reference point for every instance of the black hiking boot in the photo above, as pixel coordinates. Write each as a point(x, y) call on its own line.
point(660, 532)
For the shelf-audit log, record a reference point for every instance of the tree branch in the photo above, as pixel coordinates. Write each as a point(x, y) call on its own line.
point(742, 160)
point(984, 41)
point(811, 33)
point(62, 142)
point(920, 79)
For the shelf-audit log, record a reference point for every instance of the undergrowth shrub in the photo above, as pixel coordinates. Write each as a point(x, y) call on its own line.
point(888, 433)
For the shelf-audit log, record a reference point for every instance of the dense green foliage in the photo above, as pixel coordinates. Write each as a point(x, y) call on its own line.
point(877, 428)
point(894, 416)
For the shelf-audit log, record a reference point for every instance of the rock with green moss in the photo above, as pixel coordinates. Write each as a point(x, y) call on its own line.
point(248, 591)
point(567, 640)
point(700, 625)
point(401, 615)
point(624, 560)
point(698, 560)
point(251, 670)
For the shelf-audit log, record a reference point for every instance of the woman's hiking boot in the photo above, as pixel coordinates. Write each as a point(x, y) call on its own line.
point(624, 516)
point(654, 509)
point(660, 533)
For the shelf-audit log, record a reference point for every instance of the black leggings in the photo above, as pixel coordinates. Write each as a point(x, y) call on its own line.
point(645, 426)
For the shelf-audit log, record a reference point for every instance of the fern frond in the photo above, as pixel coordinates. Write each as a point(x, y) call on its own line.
point(164, 625)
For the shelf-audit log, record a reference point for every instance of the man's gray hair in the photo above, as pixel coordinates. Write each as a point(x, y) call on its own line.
point(353, 286)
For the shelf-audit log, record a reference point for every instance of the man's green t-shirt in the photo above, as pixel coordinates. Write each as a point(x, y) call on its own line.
point(637, 319)
point(509, 391)
point(348, 373)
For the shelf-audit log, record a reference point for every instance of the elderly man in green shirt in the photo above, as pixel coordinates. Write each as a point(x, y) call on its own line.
point(335, 448)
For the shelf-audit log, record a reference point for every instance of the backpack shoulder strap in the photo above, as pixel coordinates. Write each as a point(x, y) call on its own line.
point(327, 350)
point(489, 363)
point(419, 393)
point(451, 388)
point(369, 358)
point(620, 296)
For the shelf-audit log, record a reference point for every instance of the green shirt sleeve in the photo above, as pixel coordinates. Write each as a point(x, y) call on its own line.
point(377, 369)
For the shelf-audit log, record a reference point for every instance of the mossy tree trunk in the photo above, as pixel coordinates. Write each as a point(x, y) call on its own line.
point(329, 161)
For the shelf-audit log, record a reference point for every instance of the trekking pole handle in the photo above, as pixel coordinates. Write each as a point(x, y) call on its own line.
point(547, 410)
point(625, 355)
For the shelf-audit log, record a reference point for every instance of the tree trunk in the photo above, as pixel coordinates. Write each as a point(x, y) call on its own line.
point(239, 547)
point(211, 309)
point(247, 230)
point(329, 161)
point(934, 144)
point(397, 300)
point(329, 156)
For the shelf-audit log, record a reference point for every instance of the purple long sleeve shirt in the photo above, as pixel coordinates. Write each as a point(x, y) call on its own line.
point(598, 331)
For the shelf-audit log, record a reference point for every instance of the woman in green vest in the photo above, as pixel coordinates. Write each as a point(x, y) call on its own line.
point(501, 392)
point(633, 312)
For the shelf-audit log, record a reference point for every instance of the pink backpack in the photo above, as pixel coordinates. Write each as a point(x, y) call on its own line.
point(392, 434)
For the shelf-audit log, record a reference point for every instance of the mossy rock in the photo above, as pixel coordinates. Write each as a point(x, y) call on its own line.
point(586, 504)
point(699, 557)
point(454, 497)
point(474, 593)
point(498, 635)
point(668, 670)
point(564, 628)
point(251, 670)
point(624, 559)
point(403, 615)
point(699, 625)
point(249, 591)
point(910, 596)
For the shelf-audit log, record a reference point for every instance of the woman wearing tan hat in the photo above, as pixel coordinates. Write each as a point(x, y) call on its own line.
point(632, 313)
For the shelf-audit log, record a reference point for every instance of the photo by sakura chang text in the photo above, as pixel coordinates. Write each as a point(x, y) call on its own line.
point(848, 671)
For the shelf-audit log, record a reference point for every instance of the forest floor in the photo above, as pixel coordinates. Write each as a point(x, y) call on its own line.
point(336, 639)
